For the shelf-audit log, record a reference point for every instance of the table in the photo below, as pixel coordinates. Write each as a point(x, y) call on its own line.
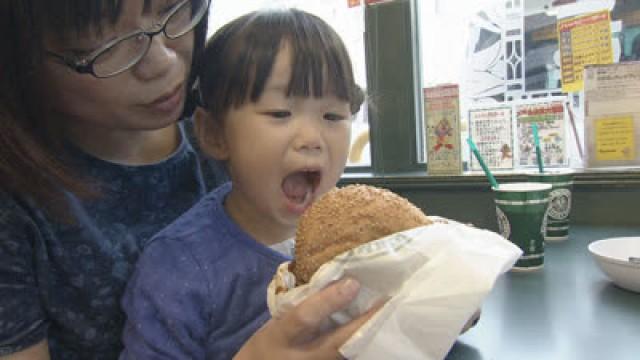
point(567, 310)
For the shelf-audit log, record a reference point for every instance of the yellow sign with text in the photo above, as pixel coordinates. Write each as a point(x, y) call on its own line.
point(583, 40)
point(615, 138)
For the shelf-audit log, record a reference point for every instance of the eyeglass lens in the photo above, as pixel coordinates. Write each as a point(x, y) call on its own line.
point(128, 51)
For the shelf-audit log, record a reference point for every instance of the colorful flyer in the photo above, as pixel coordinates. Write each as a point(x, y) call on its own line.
point(491, 131)
point(615, 139)
point(442, 124)
point(549, 117)
point(584, 40)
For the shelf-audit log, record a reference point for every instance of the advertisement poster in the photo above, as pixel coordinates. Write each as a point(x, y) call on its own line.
point(615, 138)
point(492, 133)
point(549, 117)
point(584, 40)
point(442, 124)
point(612, 114)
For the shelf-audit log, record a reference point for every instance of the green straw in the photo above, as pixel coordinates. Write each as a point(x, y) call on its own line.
point(536, 139)
point(492, 180)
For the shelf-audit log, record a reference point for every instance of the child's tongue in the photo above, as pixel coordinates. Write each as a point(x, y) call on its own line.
point(297, 188)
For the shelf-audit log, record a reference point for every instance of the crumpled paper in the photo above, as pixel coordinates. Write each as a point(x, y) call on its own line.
point(433, 278)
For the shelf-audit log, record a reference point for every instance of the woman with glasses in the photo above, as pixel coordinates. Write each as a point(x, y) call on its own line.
point(94, 161)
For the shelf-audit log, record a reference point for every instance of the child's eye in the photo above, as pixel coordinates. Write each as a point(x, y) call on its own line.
point(279, 114)
point(334, 117)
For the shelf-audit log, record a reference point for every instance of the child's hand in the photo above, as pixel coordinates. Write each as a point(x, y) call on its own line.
point(296, 334)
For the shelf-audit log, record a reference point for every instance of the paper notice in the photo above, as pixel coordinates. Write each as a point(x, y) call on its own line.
point(491, 130)
point(442, 124)
point(549, 117)
point(615, 139)
point(584, 40)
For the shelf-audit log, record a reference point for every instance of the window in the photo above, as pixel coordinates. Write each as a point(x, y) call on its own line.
point(505, 57)
point(502, 54)
point(347, 21)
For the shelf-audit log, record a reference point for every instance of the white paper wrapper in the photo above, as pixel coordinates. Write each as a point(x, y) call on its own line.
point(434, 278)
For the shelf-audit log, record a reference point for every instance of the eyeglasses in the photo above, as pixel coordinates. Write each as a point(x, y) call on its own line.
point(124, 52)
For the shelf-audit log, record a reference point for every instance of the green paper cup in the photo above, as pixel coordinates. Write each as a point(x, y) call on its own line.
point(559, 203)
point(521, 210)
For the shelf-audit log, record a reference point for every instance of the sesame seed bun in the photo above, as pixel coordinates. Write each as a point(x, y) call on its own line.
point(346, 218)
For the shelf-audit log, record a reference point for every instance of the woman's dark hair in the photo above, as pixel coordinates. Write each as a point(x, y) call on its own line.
point(31, 164)
point(239, 57)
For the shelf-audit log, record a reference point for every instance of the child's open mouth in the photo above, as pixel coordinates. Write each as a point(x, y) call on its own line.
point(299, 188)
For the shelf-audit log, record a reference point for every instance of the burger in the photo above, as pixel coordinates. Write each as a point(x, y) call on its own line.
point(345, 218)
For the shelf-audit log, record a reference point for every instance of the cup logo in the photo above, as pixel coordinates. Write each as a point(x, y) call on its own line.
point(560, 204)
point(545, 220)
point(503, 224)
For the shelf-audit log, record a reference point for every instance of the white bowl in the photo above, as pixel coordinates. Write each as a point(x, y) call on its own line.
point(619, 259)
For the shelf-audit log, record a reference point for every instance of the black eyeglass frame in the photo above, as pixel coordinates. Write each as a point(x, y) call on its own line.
point(84, 65)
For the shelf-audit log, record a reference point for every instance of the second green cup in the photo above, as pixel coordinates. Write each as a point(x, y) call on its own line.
point(559, 203)
point(521, 212)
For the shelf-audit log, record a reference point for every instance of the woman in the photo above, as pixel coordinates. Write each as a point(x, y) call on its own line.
point(93, 161)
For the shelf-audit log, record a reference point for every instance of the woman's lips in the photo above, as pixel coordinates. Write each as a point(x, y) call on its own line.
point(168, 102)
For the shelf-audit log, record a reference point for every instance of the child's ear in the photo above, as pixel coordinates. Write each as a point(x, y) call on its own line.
point(210, 135)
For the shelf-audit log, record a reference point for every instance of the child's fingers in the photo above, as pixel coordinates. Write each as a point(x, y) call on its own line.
point(337, 338)
point(304, 321)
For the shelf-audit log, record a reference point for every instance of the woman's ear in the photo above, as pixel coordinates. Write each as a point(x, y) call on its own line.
point(210, 135)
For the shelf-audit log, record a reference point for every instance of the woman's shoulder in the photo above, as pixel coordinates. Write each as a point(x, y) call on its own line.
point(13, 209)
point(18, 229)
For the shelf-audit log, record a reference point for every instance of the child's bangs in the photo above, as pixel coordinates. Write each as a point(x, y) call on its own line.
point(318, 69)
point(319, 66)
point(240, 58)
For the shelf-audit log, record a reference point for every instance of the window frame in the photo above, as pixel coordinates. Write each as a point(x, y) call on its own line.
point(395, 112)
point(393, 87)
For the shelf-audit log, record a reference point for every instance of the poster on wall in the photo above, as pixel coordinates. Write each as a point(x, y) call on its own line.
point(491, 131)
point(442, 124)
point(550, 119)
point(583, 40)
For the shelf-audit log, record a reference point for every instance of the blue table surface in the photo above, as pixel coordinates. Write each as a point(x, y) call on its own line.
point(567, 310)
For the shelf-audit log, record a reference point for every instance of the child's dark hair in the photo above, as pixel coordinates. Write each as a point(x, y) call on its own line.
point(238, 60)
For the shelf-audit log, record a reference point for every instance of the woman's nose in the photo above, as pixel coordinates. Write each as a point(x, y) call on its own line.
point(158, 59)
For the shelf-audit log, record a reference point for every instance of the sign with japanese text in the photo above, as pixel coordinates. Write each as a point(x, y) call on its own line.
point(442, 125)
point(550, 119)
point(612, 114)
point(615, 138)
point(491, 131)
point(583, 40)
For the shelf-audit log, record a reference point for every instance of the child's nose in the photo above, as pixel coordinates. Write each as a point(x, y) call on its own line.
point(308, 137)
